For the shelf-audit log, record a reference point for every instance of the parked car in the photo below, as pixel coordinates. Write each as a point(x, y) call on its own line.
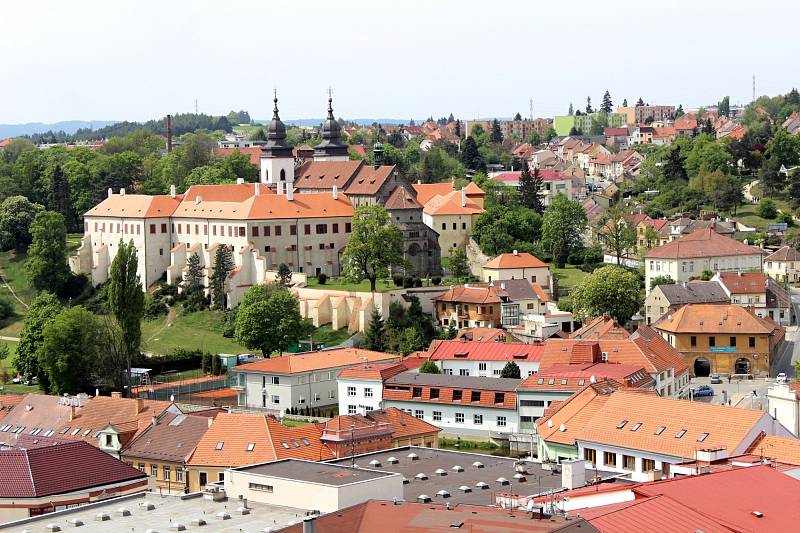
point(702, 390)
point(715, 379)
point(781, 378)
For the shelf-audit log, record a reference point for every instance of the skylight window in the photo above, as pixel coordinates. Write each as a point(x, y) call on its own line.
point(636, 426)
point(295, 444)
point(35, 431)
point(251, 446)
point(564, 381)
point(75, 431)
point(63, 430)
point(219, 445)
point(660, 430)
point(551, 381)
point(540, 381)
point(96, 434)
point(305, 442)
point(87, 432)
point(622, 424)
point(49, 432)
point(4, 428)
point(702, 437)
point(680, 434)
point(286, 446)
point(581, 381)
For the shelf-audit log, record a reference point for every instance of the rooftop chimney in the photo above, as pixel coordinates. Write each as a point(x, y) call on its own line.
point(516, 252)
point(310, 524)
point(116, 394)
point(335, 193)
point(239, 181)
point(463, 197)
point(122, 191)
point(139, 405)
point(172, 191)
point(289, 192)
point(72, 410)
point(198, 199)
point(169, 133)
point(419, 182)
point(155, 421)
point(110, 192)
point(257, 188)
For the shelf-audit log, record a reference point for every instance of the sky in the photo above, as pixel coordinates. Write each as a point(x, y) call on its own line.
point(142, 59)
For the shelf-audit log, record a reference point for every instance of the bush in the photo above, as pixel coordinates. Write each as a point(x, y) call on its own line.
point(787, 219)
point(229, 327)
point(76, 286)
point(322, 278)
point(6, 307)
point(417, 282)
point(592, 255)
point(154, 307)
point(97, 303)
point(177, 360)
point(576, 257)
point(436, 280)
point(766, 209)
point(165, 289)
point(397, 279)
point(408, 282)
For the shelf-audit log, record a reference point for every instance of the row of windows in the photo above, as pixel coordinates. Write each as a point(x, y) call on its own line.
point(610, 459)
point(459, 418)
point(351, 391)
point(232, 231)
point(455, 226)
point(166, 472)
point(712, 341)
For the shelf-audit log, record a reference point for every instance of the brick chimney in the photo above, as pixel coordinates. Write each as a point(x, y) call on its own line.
point(139, 405)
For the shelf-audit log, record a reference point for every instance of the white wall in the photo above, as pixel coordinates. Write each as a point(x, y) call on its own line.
point(448, 417)
point(492, 368)
point(784, 406)
point(361, 401)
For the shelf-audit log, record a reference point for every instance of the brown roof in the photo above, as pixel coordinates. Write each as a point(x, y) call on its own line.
point(633, 352)
point(173, 438)
point(785, 253)
point(702, 243)
point(516, 260)
point(8, 402)
point(465, 294)
point(714, 318)
point(779, 449)
point(227, 442)
point(400, 388)
point(744, 282)
point(325, 174)
point(706, 425)
point(402, 424)
point(127, 415)
point(369, 180)
point(310, 361)
point(401, 198)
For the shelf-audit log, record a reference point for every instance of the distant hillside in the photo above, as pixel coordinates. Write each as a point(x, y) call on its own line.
point(67, 126)
point(359, 121)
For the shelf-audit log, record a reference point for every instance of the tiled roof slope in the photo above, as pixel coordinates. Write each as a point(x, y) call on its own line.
point(702, 243)
point(714, 318)
point(310, 361)
point(325, 174)
point(485, 351)
point(58, 469)
point(785, 253)
point(518, 260)
point(373, 371)
point(173, 438)
point(401, 198)
point(694, 292)
point(779, 449)
point(744, 282)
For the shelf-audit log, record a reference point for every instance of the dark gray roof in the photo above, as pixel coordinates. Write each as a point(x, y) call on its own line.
point(324, 474)
point(695, 292)
point(517, 289)
point(456, 382)
point(777, 296)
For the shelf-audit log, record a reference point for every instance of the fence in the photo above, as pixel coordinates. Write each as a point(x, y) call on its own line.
point(163, 388)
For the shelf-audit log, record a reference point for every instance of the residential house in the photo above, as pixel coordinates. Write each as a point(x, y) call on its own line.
point(483, 335)
point(783, 265)
point(691, 255)
point(647, 230)
point(557, 383)
point(484, 358)
point(420, 242)
point(554, 182)
point(663, 136)
point(647, 113)
point(641, 135)
point(162, 450)
point(381, 429)
point(500, 303)
point(792, 123)
point(755, 290)
point(643, 435)
point(665, 299)
point(518, 265)
point(686, 125)
point(784, 405)
point(482, 407)
point(721, 339)
point(616, 137)
point(298, 380)
point(450, 213)
point(675, 229)
point(542, 159)
point(43, 477)
point(360, 387)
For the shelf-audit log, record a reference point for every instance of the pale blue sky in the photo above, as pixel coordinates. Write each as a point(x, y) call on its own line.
point(142, 59)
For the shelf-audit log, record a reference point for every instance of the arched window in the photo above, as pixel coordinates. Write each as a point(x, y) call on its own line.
point(283, 174)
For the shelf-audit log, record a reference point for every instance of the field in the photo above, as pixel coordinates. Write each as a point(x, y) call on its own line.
point(201, 330)
point(340, 284)
point(568, 277)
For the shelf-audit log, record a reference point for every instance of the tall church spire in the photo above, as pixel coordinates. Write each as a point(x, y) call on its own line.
point(331, 147)
point(276, 135)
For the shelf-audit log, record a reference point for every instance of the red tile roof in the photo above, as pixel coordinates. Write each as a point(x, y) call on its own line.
point(516, 260)
point(254, 152)
point(472, 295)
point(574, 377)
point(311, 361)
point(450, 204)
point(702, 243)
point(401, 424)
point(369, 180)
point(744, 282)
point(59, 469)
point(426, 191)
point(485, 351)
point(402, 198)
point(325, 174)
point(785, 253)
point(622, 351)
point(373, 371)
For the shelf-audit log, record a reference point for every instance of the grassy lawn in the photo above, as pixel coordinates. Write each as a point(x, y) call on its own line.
point(7, 365)
point(294, 423)
point(340, 284)
point(568, 277)
point(201, 330)
point(12, 266)
point(327, 336)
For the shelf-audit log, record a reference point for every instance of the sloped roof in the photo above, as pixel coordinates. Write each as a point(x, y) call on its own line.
point(785, 253)
point(658, 350)
point(477, 295)
point(325, 174)
point(402, 198)
point(784, 450)
point(622, 351)
point(600, 327)
point(485, 351)
point(61, 468)
point(702, 243)
point(268, 206)
point(694, 292)
point(135, 206)
point(744, 282)
point(373, 371)
point(253, 152)
point(173, 438)
point(310, 361)
point(706, 425)
point(482, 334)
point(714, 318)
point(127, 415)
point(426, 191)
point(8, 402)
point(402, 424)
point(369, 180)
point(574, 377)
point(450, 204)
point(516, 260)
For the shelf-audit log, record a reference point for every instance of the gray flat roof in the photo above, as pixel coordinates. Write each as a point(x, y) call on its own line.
point(321, 473)
point(537, 481)
point(412, 378)
point(167, 510)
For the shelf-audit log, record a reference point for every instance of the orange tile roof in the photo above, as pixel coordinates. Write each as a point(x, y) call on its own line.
point(369, 180)
point(659, 350)
point(135, 206)
point(311, 361)
point(401, 424)
point(477, 295)
point(400, 388)
point(450, 204)
point(230, 192)
point(713, 318)
point(325, 174)
point(127, 415)
point(726, 427)
point(784, 450)
point(601, 327)
point(518, 260)
point(702, 243)
point(373, 371)
point(574, 377)
point(622, 351)
point(402, 198)
point(744, 282)
point(236, 431)
point(8, 402)
point(253, 152)
point(426, 191)
point(267, 206)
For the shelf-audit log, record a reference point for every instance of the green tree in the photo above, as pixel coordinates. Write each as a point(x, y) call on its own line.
point(771, 177)
point(375, 336)
point(549, 134)
point(673, 167)
point(607, 106)
point(429, 367)
point(661, 280)
point(530, 187)
point(599, 124)
point(284, 275)
point(70, 351)
point(724, 107)
point(193, 286)
point(589, 109)
point(471, 157)
point(651, 237)
point(258, 135)
point(410, 341)
point(59, 200)
point(496, 135)
point(617, 234)
point(679, 112)
point(16, 216)
point(510, 370)
point(571, 110)
point(6, 307)
point(611, 290)
point(374, 246)
point(562, 228)
point(47, 254)
point(126, 300)
point(269, 320)
point(42, 310)
point(223, 266)
point(456, 263)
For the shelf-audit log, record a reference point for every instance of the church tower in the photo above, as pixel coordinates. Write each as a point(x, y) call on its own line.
point(331, 148)
point(277, 160)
